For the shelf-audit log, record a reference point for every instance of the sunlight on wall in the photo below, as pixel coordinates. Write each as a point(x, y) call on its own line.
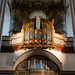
point(68, 21)
point(18, 53)
point(6, 24)
point(56, 53)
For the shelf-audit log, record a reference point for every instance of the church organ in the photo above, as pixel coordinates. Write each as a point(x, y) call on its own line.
point(30, 30)
point(31, 37)
point(38, 38)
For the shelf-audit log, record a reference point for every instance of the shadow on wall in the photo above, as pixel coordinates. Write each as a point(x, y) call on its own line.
point(10, 59)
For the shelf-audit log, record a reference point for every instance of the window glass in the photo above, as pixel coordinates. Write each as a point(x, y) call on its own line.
point(31, 64)
point(37, 64)
point(52, 66)
point(23, 66)
point(43, 64)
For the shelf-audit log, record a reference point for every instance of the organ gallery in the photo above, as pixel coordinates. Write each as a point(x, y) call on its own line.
point(37, 25)
point(39, 40)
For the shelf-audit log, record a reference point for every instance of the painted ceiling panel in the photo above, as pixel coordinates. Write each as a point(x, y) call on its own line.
point(45, 1)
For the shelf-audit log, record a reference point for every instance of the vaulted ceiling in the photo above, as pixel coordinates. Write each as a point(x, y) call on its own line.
point(44, 1)
point(44, 5)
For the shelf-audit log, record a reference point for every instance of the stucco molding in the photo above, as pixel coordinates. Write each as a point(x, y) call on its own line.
point(42, 52)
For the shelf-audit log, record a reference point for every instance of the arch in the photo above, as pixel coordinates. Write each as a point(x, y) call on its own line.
point(42, 52)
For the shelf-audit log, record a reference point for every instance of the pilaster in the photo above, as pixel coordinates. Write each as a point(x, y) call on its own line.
point(72, 9)
point(2, 13)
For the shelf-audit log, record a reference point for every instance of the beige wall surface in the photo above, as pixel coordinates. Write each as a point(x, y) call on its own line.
point(6, 61)
point(67, 60)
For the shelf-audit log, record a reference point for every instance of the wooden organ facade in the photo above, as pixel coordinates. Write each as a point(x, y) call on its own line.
point(38, 38)
point(43, 38)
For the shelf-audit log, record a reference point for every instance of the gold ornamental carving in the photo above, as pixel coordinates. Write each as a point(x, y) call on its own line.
point(38, 43)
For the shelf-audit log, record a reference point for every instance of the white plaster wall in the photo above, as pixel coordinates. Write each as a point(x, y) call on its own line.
point(68, 21)
point(6, 23)
point(67, 60)
point(7, 60)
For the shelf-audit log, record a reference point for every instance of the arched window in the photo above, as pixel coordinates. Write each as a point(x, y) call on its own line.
point(31, 64)
point(23, 66)
point(37, 62)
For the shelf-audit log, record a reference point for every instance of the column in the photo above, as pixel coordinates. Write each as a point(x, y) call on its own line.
point(72, 8)
point(2, 12)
